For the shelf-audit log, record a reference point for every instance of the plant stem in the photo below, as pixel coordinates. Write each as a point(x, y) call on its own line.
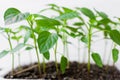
point(105, 50)
point(84, 54)
point(19, 59)
point(64, 43)
point(67, 55)
point(78, 50)
point(89, 48)
point(55, 52)
point(36, 49)
point(30, 56)
point(109, 55)
point(44, 66)
point(9, 40)
point(65, 46)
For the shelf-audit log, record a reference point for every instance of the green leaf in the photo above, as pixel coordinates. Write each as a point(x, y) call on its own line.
point(96, 57)
point(78, 24)
point(27, 36)
point(3, 53)
point(66, 16)
point(67, 10)
point(29, 48)
point(46, 55)
point(46, 24)
point(17, 48)
point(24, 27)
point(102, 14)
point(84, 39)
point(63, 64)
point(87, 12)
point(104, 21)
point(16, 37)
point(53, 6)
point(72, 28)
point(115, 53)
point(46, 40)
point(7, 30)
point(115, 36)
point(13, 15)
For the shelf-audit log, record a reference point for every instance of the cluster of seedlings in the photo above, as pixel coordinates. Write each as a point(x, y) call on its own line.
point(46, 31)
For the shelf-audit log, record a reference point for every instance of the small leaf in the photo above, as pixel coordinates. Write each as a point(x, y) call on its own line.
point(67, 10)
point(115, 36)
point(63, 64)
point(84, 39)
point(87, 12)
point(16, 37)
point(46, 24)
point(27, 36)
point(3, 53)
point(17, 48)
point(115, 53)
point(78, 24)
point(46, 55)
point(29, 48)
point(72, 28)
point(102, 14)
point(96, 57)
point(46, 40)
point(13, 15)
point(24, 27)
point(53, 6)
point(66, 16)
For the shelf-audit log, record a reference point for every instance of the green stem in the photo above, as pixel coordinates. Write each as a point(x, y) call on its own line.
point(19, 59)
point(78, 50)
point(105, 50)
point(63, 38)
point(109, 54)
point(44, 66)
point(55, 52)
point(114, 47)
point(67, 55)
point(9, 40)
point(89, 48)
point(36, 49)
point(65, 46)
point(30, 56)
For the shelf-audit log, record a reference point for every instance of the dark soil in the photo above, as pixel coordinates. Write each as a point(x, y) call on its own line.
point(76, 71)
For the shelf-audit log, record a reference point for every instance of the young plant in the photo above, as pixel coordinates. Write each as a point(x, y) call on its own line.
point(17, 38)
point(12, 50)
point(12, 15)
point(65, 14)
point(46, 39)
point(90, 25)
point(30, 21)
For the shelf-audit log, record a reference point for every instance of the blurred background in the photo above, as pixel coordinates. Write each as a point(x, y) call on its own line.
point(110, 7)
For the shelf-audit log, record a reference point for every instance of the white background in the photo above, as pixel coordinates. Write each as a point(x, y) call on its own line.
point(111, 7)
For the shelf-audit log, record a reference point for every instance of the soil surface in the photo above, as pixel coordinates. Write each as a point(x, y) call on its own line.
point(75, 71)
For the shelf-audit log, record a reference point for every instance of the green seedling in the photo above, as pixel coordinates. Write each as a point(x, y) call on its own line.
point(46, 40)
point(17, 38)
point(65, 14)
point(45, 33)
point(87, 12)
point(12, 50)
point(11, 16)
